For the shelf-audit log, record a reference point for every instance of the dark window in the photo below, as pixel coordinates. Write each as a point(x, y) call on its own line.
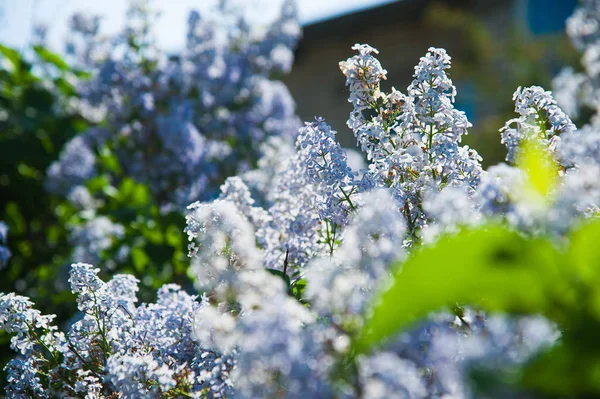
point(548, 16)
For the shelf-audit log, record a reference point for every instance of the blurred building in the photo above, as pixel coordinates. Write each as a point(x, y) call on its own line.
point(402, 32)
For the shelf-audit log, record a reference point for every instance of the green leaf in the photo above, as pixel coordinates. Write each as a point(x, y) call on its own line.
point(490, 267)
point(173, 236)
point(139, 258)
point(109, 160)
point(14, 217)
point(140, 195)
point(51, 58)
point(279, 273)
point(584, 262)
point(565, 371)
point(82, 74)
point(151, 232)
point(298, 287)
point(98, 183)
point(126, 189)
point(584, 252)
point(29, 172)
point(13, 57)
point(133, 194)
point(540, 168)
point(65, 86)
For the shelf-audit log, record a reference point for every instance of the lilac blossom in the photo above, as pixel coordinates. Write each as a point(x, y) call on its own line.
point(568, 88)
point(364, 74)
point(575, 92)
point(93, 237)
point(426, 186)
point(582, 26)
point(222, 242)
point(269, 170)
point(5, 253)
point(341, 285)
point(327, 168)
point(385, 375)
point(294, 357)
point(178, 124)
point(296, 225)
point(452, 208)
point(170, 121)
point(540, 119)
point(412, 141)
point(235, 190)
point(581, 148)
point(116, 347)
point(76, 165)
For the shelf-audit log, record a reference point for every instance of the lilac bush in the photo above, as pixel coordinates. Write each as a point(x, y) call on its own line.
point(4, 251)
point(168, 129)
point(577, 92)
point(290, 256)
point(114, 346)
point(181, 123)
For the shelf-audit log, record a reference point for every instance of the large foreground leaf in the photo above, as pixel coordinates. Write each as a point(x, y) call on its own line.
point(490, 267)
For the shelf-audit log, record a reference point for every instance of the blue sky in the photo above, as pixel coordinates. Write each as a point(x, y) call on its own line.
point(17, 16)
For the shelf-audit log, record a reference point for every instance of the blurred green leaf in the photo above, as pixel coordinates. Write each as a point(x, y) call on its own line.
point(566, 370)
point(133, 194)
point(15, 218)
point(107, 159)
point(37, 100)
point(65, 86)
point(51, 58)
point(490, 267)
point(298, 287)
point(13, 57)
point(29, 172)
point(97, 184)
point(139, 258)
point(151, 231)
point(173, 235)
point(541, 170)
point(82, 74)
point(281, 274)
point(584, 252)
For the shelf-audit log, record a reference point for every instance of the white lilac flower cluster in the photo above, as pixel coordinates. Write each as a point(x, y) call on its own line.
point(181, 123)
point(115, 348)
point(502, 190)
point(5, 253)
point(540, 119)
point(287, 274)
point(93, 237)
point(578, 93)
point(336, 233)
point(413, 140)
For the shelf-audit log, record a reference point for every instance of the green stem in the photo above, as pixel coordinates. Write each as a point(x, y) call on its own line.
point(72, 347)
point(328, 238)
point(348, 198)
point(100, 328)
point(430, 126)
